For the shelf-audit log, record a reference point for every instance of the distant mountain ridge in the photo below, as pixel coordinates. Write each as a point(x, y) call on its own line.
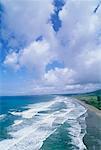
point(97, 93)
point(94, 93)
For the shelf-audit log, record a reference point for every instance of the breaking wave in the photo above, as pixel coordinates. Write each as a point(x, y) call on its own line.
point(41, 120)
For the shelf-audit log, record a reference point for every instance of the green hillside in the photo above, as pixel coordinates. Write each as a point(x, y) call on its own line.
point(92, 98)
point(96, 93)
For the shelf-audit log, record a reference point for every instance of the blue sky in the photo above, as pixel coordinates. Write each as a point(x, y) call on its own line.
point(49, 46)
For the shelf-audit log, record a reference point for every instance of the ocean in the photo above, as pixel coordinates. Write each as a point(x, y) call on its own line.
point(45, 122)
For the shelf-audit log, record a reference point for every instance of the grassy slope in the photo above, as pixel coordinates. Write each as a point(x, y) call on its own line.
point(90, 98)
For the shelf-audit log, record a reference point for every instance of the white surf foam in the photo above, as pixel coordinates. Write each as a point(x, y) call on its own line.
point(76, 135)
point(35, 108)
point(2, 116)
point(17, 122)
point(77, 122)
point(31, 137)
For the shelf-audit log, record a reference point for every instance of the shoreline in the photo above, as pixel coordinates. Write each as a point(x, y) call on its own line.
point(90, 107)
point(92, 138)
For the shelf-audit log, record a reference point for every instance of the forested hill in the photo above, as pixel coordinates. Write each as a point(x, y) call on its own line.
point(94, 93)
point(97, 93)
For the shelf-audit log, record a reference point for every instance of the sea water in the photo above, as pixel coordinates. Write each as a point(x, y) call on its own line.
point(41, 123)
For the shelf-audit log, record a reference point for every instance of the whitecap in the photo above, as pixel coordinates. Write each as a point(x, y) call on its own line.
point(2, 116)
point(17, 122)
point(31, 137)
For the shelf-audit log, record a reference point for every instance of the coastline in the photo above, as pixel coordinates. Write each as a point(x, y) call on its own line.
point(90, 107)
point(92, 138)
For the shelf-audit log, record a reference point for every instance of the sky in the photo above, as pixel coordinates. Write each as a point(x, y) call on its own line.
point(49, 46)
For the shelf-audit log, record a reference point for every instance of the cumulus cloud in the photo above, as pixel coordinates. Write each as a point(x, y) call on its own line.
point(90, 67)
point(12, 61)
point(76, 44)
point(59, 76)
point(27, 19)
point(34, 57)
point(80, 38)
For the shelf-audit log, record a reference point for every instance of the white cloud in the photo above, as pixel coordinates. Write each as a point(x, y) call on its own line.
point(80, 38)
point(90, 67)
point(75, 88)
point(12, 61)
point(32, 21)
point(27, 19)
point(59, 76)
point(76, 44)
point(36, 56)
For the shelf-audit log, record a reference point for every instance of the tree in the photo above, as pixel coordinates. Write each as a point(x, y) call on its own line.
point(99, 100)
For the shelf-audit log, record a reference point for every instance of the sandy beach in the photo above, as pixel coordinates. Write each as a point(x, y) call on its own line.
point(92, 138)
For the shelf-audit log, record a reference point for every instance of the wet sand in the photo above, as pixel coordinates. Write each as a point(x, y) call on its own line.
point(92, 138)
